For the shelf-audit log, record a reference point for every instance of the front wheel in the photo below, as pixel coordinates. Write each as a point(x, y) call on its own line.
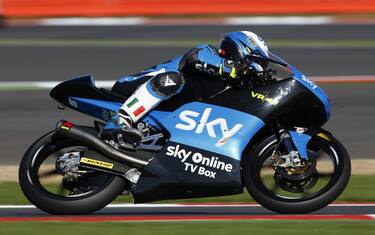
point(288, 190)
point(77, 191)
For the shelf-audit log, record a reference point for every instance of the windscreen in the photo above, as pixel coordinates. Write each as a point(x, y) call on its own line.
point(282, 72)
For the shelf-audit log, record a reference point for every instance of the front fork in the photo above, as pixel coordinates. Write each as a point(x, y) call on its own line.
point(295, 144)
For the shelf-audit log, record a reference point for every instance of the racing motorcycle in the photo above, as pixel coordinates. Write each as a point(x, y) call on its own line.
point(212, 139)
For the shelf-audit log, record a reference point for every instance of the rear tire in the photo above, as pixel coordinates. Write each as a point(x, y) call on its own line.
point(256, 186)
point(56, 204)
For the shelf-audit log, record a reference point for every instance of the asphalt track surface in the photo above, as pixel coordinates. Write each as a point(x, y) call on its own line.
point(61, 63)
point(186, 212)
point(28, 114)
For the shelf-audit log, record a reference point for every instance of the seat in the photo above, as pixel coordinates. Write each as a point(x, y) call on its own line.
point(127, 88)
point(84, 87)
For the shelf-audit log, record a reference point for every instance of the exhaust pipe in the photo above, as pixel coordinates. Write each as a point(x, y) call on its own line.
point(70, 130)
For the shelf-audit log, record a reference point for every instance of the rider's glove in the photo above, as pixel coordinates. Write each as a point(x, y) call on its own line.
point(238, 70)
point(233, 69)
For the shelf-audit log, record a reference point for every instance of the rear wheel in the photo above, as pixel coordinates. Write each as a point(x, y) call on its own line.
point(320, 181)
point(51, 179)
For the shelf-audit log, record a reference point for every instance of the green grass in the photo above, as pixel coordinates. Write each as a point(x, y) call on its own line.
point(181, 228)
point(360, 188)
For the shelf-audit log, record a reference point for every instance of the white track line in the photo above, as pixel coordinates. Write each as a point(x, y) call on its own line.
point(349, 78)
point(17, 206)
point(45, 84)
point(126, 21)
point(204, 21)
point(146, 205)
point(82, 21)
point(287, 20)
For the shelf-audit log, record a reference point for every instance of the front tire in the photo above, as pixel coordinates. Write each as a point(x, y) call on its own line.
point(104, 187)
point(299, 196)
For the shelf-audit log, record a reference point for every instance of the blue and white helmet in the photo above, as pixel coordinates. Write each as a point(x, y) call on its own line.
point(236, 45)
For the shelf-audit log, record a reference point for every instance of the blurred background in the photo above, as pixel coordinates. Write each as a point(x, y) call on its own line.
point(43, 42)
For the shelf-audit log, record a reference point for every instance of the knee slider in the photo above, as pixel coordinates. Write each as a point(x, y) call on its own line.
point(167, 84)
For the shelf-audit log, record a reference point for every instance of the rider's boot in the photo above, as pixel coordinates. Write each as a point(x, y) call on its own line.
point(128, 132)
point(123, 131)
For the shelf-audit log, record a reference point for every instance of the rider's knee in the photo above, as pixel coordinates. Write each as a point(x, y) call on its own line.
point(167, 84)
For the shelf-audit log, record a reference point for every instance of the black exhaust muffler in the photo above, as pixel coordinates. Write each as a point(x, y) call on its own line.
point(75, 132)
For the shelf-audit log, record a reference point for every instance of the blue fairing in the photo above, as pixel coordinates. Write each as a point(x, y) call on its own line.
point(313, 88)
point(154, 118)
point(101, 109)
point(300, 140)
point(213, 128)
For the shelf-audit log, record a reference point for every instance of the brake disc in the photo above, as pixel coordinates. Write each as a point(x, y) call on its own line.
point(297, 180)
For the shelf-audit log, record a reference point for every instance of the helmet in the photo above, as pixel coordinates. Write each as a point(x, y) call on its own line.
point(236, 45)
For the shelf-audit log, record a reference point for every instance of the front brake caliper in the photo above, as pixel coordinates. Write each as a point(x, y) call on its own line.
point(290, 160)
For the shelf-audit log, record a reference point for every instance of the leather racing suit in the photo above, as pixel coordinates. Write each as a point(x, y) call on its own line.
point(167, 79)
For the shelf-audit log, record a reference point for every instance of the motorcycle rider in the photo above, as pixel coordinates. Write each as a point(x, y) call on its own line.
point(166, 80)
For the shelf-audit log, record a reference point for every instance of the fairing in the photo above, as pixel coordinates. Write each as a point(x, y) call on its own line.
point(213, 128)
point(288, 71)
point(314, 88)
point(182, 171)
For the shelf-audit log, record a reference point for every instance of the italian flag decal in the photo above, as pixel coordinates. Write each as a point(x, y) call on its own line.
point(136, 107)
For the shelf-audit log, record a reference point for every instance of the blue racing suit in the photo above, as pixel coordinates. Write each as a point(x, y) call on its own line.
point(167, 79)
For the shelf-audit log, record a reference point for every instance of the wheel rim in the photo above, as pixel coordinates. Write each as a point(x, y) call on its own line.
point(44, 175)
point(321, 155)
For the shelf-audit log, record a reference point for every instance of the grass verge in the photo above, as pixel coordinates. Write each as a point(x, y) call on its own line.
point(360, 189)
point(181, 228)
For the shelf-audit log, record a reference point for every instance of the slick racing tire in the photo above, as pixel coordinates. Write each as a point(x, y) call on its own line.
point(100, 188)
point(298, 196)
